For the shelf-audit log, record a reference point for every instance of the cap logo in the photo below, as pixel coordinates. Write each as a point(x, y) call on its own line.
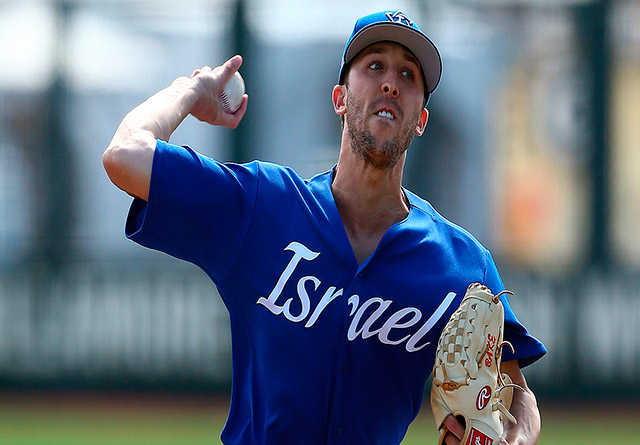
point(399, 17)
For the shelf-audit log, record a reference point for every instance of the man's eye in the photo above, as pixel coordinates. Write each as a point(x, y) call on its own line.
point(375, 66)
point(408, 74)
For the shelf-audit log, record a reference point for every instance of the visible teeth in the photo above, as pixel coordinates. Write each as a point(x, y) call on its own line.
point(385, 114)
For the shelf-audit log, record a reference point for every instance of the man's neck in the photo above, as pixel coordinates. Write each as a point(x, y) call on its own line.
point(369, 200)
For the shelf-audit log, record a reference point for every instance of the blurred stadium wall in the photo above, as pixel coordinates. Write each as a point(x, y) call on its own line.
point(531, 145)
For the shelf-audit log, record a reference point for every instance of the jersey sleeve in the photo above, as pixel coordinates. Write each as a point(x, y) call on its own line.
point(527, 348)
point(198, 209)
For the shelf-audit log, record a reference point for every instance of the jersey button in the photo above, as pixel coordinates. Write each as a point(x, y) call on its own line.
point(345, 368)
point(340, 431)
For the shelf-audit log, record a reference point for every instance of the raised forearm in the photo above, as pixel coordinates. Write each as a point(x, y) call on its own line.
point(160, 115)
point(129, 157)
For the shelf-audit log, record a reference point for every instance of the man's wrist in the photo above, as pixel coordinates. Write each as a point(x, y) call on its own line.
point(185, 91)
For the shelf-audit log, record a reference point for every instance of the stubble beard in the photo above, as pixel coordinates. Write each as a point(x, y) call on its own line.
point(364, 144)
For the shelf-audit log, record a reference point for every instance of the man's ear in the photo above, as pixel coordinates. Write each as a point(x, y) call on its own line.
point(339, 98)
point(422, 122)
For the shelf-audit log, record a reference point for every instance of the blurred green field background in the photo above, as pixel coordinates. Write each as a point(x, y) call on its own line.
point(107, 418)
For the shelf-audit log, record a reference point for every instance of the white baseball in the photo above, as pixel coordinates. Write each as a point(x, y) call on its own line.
point(231, 96)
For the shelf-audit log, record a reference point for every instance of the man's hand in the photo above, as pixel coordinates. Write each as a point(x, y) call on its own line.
point(207, 85)
point(524, 408)
point(455, 430)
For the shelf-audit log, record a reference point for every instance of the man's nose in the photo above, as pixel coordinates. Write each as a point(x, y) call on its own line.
point(389, 87)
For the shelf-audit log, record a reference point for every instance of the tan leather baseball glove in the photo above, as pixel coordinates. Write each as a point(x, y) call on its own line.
point(467, 382)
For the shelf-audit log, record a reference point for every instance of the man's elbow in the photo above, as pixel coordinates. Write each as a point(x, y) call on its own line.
point(129, 167)
point(113, 162)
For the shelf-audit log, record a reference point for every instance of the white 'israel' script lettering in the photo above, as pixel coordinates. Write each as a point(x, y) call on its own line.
point(300, 252)
point(360, 326)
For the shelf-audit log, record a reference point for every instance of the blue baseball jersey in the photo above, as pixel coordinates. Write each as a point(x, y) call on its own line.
point(324, 350)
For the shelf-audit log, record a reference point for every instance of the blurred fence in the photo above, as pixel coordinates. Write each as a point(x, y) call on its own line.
point(165, 325)
point(590, 324)
point(98, 324)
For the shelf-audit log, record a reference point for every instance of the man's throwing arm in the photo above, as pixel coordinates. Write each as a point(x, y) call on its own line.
point(129, 157)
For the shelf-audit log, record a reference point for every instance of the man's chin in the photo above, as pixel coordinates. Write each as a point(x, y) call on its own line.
point(375, 150)
point(380, 160)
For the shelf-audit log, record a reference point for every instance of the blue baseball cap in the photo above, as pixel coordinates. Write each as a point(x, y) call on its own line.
point(394, 26)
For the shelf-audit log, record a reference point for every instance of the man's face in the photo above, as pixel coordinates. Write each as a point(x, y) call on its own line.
point(385, 92)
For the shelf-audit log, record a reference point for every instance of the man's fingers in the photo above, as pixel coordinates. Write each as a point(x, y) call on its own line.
point(454, 426)
point(450, 439)
point(228, 69)
point(200, 70)
point(209, 83)
point(223, 72)
point(232, 120)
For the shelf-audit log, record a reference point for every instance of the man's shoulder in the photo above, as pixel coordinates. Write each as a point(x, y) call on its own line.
point(453, 232)
point(267, 172)
point(275, 179)
point(274, 169)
